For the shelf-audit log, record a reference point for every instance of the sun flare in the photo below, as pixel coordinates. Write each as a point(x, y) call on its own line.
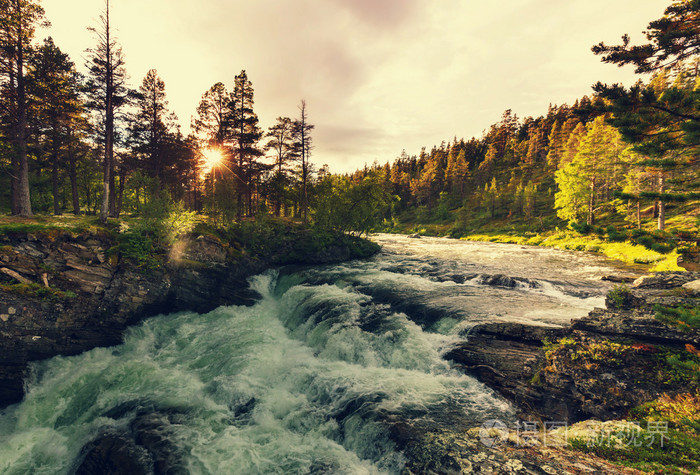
point(212, 158)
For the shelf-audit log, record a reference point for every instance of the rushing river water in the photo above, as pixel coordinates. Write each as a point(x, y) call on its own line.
point(308, 379)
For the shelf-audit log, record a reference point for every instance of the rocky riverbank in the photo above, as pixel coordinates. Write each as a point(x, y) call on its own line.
point(64, 293)
point(617, 363)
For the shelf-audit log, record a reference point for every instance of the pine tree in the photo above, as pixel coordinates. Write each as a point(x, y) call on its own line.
point(107, 93)
point(18, 21)
point(245, 135)
point(281, 144)
point(662, 121)
point(212, 121)
point(586, 179)
point(457, 172)
point(558, 139)
point(58, 112)
point(152, 130)
point(303, 146)
point(572, 143)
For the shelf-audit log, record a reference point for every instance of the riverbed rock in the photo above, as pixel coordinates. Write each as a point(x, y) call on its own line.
point(501, 280)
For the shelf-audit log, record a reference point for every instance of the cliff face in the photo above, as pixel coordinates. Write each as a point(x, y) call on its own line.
point(65, 294)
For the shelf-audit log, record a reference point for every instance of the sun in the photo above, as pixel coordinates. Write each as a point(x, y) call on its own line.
point(212, 158)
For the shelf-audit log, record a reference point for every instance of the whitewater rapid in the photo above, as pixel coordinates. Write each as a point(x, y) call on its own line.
point(310, 378)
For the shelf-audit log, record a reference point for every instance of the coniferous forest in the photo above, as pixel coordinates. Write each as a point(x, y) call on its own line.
point(91, 144)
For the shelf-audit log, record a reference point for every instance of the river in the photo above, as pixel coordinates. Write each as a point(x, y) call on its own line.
point(311, 378)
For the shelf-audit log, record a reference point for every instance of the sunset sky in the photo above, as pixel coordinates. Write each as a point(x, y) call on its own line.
point(379, 76)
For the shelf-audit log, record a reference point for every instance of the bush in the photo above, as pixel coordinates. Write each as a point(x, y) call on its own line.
point(619, 297)
point(646, 241)
point(614, 235)
point(662, 248)
point(581, 228)
point(138, 245)
point(683, 317)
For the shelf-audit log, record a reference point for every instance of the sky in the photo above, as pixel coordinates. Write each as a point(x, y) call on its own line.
point(378, 76)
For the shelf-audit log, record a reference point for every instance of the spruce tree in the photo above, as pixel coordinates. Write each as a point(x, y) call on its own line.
point(152, 130)
point(303, 145)
point(245, 135)
point(58, 112)
point(280, 143)
point(18, 21)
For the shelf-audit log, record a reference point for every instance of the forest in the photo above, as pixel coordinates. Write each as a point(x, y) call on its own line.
point(625, 158)
point(90, 144)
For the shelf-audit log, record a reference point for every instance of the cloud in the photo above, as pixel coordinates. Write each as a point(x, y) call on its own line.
point(381, 13)
point(379, 76)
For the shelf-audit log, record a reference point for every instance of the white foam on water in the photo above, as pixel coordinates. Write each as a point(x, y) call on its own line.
point(298, 381)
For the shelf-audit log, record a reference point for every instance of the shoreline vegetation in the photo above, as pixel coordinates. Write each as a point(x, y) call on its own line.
point(628, 252)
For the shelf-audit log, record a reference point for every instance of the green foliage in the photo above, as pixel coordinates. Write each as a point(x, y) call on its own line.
point(138, 245)
point(682, 317)
point(681, 447)
point(581, 228)
point(257, 236)
point(622, 251)
point(147, 238)
point(346, 206)
point(682, 411)
point(619, 296)
point(614, 235)
point(166, 220)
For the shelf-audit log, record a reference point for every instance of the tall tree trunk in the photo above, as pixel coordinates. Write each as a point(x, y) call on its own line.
point(73, 175)
point(120, 194)
point(591, 203)
point(107, 169)
point(24, 204)
point(88, 199)
point(14, 163)
point(662, 205)
point(108, 199)
point(639, 215)
point(54, 178)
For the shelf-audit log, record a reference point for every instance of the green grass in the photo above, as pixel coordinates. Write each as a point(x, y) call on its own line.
point(679, 419)
point(626, 252)
point(36, 290)
point(680, 452)
point(51, 225)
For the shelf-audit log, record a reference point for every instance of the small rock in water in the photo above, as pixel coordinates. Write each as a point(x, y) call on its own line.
point(113, 454)
point(414, 236)
point(619, 278)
